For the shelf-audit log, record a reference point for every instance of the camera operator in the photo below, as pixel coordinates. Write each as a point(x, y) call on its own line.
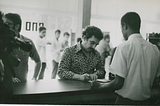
point(14, 21)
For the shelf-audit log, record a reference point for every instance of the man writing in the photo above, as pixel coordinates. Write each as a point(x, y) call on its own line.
point(81, 61)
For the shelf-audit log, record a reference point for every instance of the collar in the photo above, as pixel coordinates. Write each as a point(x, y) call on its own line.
point(78, 47)
point(133, 36)
point(18, 36)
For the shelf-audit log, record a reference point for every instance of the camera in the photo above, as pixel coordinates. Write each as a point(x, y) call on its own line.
point(8, 42)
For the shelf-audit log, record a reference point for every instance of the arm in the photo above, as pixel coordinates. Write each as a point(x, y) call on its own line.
point(115, 84)
point(100, 71)
point(119, 68)
point(65, 72)
point(35, 57)
point(36, 70)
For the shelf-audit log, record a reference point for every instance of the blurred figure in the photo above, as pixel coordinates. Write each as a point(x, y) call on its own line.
point(104, 47)
point(56, 53)
point(81, 61)
point(65, 42)
point(14, 22)
point(79, 40)
point(41, 46)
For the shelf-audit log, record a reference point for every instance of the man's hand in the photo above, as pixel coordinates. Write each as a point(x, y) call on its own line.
point(95, 85)
point(15, 80)
point(84, 77)
point(93, 77)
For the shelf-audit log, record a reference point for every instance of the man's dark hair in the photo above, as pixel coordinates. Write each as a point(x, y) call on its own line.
point(41, 28)
point(106, 36)
point(58, 31)
point(79, 40)
point(66, 33)
point(15, 18)
point(90, 31)
point(132, 19)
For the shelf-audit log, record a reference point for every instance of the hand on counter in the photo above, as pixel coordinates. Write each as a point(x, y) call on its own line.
point(84, 77)
point(96, 85)
point(15, 80)
point(93, 77)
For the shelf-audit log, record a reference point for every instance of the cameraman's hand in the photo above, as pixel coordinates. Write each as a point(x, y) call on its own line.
point(15, 80)
point(93, 77)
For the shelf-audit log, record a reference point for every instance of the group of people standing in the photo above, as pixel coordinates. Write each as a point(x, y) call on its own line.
point(57, 48)
point(135, 63)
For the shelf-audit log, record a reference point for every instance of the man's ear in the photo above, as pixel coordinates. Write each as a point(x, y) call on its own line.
point(125, 26)
point(17, 26)
point(84, 37)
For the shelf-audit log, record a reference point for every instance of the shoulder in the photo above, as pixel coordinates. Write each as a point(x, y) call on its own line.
point(123, 45)
point(26, 39)
point(72, 48)
point(96, 53)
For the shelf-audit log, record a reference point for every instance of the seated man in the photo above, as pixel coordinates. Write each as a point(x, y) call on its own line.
point(82, 61)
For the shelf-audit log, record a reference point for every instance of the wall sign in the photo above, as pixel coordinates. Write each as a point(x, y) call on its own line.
point(33, 26)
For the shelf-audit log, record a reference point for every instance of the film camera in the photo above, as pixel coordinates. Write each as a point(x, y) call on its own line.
point(8, 42)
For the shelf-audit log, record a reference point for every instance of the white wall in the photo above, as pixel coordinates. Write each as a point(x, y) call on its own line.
point(55, 14)
point(62, 14)
point(106, 14)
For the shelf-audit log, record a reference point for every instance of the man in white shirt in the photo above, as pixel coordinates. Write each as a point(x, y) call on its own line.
point(135, 64)
point(41, 47)
point(56, 53)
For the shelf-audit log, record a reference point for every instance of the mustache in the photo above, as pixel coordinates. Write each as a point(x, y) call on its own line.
point(91, 48)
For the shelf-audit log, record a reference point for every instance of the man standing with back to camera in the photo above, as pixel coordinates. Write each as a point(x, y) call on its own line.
point(14, 22)
point(135, 64)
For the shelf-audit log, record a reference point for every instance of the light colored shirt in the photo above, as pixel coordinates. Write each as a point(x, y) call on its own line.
point(56, 50)
point(41, 47)
point(137, 61)
point(103, 47)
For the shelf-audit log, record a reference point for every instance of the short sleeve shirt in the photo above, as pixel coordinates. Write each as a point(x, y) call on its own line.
point(137, 61)
point(22, 70)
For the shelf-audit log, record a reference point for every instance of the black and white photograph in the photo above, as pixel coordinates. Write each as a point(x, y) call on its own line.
point(79, 52)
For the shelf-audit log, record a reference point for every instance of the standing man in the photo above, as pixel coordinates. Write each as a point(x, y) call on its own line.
point(14, 22)
point(65, 42)
point(135, 64)
point(56, 53)
point(41, 47)
point(81, 61)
